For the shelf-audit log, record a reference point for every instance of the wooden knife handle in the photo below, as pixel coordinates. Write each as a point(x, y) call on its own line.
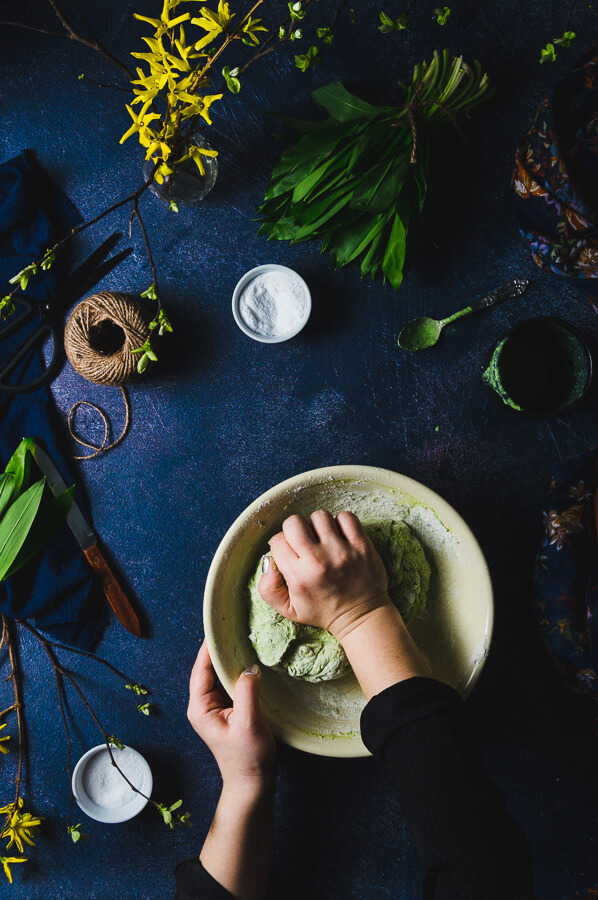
point(121, 607)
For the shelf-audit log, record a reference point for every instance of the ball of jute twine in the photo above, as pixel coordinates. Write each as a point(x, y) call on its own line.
point(99, 338)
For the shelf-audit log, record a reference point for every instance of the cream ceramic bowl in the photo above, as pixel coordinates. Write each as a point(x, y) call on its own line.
point(453, 633)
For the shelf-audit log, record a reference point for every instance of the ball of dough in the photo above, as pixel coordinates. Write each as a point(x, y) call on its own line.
point(313, 654)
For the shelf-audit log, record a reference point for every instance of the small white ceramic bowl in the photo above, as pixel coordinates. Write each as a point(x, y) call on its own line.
point(242, 284)
point(109, 814)
point(453, 633)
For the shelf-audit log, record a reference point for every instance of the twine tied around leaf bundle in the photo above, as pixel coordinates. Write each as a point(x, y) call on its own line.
point(411, 107)
point(99, 338)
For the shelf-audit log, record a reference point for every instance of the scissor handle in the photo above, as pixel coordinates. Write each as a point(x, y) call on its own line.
point(34, 339)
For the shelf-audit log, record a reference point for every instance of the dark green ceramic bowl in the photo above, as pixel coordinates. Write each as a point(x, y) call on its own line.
point(541, 367)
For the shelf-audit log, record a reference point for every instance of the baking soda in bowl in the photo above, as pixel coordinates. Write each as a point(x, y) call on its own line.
point(106, 794)
point(271, 303)
point(104, 784)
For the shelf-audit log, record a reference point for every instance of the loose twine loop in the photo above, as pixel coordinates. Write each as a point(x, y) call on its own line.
point(99, 337)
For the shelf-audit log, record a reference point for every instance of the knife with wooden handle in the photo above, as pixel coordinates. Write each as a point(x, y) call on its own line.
point(88, 542)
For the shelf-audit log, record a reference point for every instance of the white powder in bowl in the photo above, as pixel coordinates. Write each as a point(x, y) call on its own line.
point(103, 783)
point(273, 304)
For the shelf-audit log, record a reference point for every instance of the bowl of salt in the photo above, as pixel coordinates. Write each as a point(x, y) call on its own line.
point(103, 793)
point(271, 303)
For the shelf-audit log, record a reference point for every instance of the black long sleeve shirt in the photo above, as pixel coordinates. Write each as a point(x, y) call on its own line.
point(468, 846)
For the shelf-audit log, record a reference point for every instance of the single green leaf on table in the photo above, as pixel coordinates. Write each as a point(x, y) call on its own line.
point(373, 228)
point(7, 483)
point(298, 124)
point(16, 523)
point(375, 251)
point(304, 187)
point(47, 522)
point(293, 168)
point(19, 465)
point(369, 184)
point(368, 141)
point(343, 106)
point(390, 186)
point(394, 256)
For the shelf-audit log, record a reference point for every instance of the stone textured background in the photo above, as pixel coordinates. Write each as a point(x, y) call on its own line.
point(222, 419)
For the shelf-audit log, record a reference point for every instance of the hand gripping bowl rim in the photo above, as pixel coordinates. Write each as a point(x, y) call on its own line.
point(414, 493)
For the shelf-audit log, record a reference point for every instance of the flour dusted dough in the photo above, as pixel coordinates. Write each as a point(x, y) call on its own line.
point(313, 654)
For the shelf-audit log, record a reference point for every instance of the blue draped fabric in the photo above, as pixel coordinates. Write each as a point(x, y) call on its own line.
point(56, 590)
point(556, 179)
point(566, 576)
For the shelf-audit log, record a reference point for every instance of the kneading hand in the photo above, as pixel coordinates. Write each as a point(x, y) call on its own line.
point(327, 573)
point(239, 736)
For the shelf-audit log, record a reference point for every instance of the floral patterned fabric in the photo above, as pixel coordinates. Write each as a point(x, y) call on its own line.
point(556, 178)
point(566, 576)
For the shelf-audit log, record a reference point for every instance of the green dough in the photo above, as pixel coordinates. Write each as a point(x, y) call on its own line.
point(313, 654)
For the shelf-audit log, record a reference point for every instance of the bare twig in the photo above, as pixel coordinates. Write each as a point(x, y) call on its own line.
point(137, 215)
point(60, 692)
point(7, 630)
point(45, 640)
point(33, 28)
point(338, 10)
point(79, 228)
point(113, 87)
point(61, 674)
point(85, 21)
point(94, 45)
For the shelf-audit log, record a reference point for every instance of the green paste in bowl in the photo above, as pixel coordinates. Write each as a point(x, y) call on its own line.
point(313, 654)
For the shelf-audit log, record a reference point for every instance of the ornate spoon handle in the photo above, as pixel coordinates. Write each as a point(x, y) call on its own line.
point(513, 288)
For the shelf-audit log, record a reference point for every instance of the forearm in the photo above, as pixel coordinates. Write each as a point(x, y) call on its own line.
point(467, 843)
point(381, 651)
point(237, 849)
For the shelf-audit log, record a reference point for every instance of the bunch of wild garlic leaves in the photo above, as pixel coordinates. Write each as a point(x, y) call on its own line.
point(358, 179)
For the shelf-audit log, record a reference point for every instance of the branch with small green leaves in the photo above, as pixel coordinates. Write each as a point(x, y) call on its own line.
point(549, 52)
point(178, 818)
point(19, 824)
point(76, 833)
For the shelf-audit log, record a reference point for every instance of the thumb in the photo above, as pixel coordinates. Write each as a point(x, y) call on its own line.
point(273, 588)
point(246, 700)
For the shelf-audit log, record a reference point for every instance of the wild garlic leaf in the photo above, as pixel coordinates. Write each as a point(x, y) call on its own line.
point(47, 522)
point(16, 524)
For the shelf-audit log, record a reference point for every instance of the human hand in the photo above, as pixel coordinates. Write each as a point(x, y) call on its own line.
point(327, 573)
point(239, 736)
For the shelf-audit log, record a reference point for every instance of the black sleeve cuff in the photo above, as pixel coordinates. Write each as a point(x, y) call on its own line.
point(193, 882)
point(402, 703)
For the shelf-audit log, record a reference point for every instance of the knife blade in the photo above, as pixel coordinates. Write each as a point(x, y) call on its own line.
point(88, 542)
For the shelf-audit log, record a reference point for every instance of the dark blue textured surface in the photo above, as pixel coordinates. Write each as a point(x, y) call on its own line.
point(224, 418)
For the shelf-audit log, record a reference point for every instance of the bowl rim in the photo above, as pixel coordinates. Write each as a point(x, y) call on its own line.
point(566, 326)
point(295, 737)
point(249, 276)
point(104, 814)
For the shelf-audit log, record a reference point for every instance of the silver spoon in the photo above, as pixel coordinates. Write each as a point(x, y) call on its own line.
point(424, 331)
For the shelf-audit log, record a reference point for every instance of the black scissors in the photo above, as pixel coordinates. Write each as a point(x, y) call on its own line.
point(50, 313)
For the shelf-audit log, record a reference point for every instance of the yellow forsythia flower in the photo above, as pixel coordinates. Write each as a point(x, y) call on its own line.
point(20, 826)
point(7, 738)
point(7, 861)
